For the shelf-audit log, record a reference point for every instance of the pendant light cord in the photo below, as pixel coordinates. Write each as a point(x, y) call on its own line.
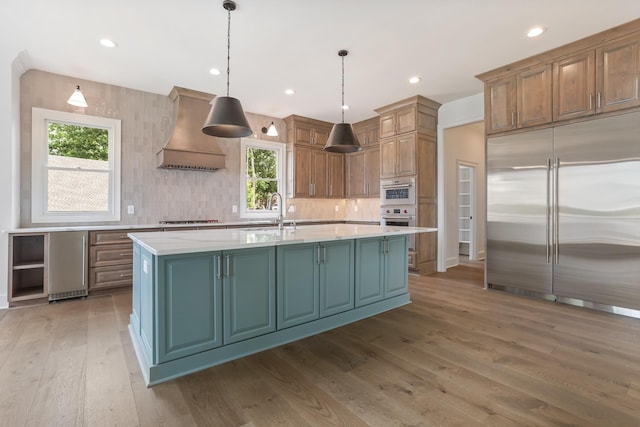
point(228, 47)
point(342, 106)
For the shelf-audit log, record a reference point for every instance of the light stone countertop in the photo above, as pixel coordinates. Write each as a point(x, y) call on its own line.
point(183, 242)
point(248, 223)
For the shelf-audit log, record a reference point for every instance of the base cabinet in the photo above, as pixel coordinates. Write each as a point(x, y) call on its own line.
point(381, 269)
point(193, 311)
point(314, 280)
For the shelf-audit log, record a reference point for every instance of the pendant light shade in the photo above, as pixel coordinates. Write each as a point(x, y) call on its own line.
point(226, 118)
point(77, 98)
point(342, 139)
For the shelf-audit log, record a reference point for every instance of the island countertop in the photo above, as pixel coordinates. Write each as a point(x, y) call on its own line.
point(183, 242)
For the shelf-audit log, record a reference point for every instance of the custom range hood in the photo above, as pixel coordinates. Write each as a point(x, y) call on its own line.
point(188, 148)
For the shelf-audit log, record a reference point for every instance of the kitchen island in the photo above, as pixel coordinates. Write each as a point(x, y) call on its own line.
point(201, 298)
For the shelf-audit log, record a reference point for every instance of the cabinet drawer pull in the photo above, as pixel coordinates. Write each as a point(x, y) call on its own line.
point(590, 101)
point(126, 274)
point(219, 273)
point(318, 253)
point(598, 100)
point(227, 273)
point(513, 118)
point(124, 237)
point(126, 254)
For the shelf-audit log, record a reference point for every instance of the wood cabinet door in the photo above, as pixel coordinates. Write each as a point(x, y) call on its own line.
point(297, 284)
point(372, 136)
point(500, 104)
point(405, 120)
point(337, 277)
point(355, 176)
point(574, 86)
point(617, 70)
point(249, 293)
point(336, 175)
point(406, 153)
point(369, 271)
point(388, 158)
point(372, 172)
point(361, 134)
point(319, 173)
point(320, 137)
point(387, 125)
point(303, 135)
point(302, 175)
point(189, 305)
point(533, 90)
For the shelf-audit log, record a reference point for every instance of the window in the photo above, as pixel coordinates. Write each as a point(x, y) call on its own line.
point(75, 171)
point(262, 166)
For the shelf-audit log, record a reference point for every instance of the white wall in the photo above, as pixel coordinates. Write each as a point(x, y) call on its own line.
point(464, 144)
point(455, 113)
point(11, 68)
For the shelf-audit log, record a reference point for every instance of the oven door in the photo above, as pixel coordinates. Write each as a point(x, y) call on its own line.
point(401, 221)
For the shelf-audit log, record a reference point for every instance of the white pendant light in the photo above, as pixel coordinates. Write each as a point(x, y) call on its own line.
point(77, 98)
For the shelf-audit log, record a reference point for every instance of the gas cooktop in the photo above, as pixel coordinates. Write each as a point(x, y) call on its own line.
point(190, 221)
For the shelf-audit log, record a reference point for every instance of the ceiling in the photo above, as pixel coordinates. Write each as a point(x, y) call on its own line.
point(280, 44)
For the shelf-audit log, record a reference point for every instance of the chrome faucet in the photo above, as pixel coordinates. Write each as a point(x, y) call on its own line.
point(280, 219)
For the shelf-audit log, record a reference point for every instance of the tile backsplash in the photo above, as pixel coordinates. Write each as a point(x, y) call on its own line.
point(160, 194)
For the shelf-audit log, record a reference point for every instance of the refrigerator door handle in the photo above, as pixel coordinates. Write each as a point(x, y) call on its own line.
point(556, 208)
point(548, 216)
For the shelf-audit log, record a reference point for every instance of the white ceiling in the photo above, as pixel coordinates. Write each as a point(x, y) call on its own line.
point(279, 44)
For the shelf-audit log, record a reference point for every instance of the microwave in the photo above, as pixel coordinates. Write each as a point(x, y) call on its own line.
point(398, 192)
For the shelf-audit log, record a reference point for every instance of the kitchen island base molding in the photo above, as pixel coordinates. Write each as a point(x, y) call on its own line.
point(155, 374)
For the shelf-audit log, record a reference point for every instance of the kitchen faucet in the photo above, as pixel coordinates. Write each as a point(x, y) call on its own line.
point(280, 219)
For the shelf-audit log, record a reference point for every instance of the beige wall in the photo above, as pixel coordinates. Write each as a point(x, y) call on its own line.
point(463, 144)
point(147, 122)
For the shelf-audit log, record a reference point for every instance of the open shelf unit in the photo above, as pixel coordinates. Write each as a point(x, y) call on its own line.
point(28, 260)
point(464, 209)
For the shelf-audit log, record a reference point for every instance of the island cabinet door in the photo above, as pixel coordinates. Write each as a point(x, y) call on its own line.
point(249, 293)
point(337, 277)
point(369, 275)
point(298, 284)
point(396, 274)
point(189, 305)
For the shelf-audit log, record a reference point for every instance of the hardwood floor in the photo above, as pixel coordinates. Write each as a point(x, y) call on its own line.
point(458, 355)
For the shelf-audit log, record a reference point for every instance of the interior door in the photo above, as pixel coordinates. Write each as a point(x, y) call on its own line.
point(598, 257)
point(518, 220)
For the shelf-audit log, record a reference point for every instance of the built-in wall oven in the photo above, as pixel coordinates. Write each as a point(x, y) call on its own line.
point(399, 191)
point(400, 216)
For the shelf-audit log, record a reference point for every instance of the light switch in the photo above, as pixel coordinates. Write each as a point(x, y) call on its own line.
point(130, 209)
point(234, 209)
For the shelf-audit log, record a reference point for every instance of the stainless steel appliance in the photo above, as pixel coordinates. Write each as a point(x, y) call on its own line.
point(399, 191)
point(400, 216)
point(67, 272)
point(563, 213)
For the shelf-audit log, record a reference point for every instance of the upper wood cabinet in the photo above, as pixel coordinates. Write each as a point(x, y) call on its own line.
point(368, 132)
point(335, 175)
point(398, 156)
point(397, 122)
point(363, 173)
point(415, 114)
point(518, 101)
point(306, 131)
point(594, 75)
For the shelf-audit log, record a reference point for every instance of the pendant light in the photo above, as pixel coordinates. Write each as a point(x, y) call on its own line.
point(226, 118)
point(342, 139)
point(77, 98)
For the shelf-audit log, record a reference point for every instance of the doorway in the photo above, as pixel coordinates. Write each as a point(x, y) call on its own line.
point(466, 179)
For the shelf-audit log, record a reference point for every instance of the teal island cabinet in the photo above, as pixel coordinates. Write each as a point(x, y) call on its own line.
point(201, 298)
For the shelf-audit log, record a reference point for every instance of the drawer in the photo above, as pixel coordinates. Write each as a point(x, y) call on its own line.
point(110, 277)
point(100, 256)
point(112, 237)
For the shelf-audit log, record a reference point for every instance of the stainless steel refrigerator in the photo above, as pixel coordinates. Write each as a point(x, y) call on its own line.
point(563, 212)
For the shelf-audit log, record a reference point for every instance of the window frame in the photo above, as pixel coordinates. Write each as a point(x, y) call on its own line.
point(279, 148)
point(40, 119)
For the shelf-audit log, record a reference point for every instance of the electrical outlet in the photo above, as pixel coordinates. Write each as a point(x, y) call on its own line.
point(234, 209)
point(355, 208)
point(337, 208)
point(130, 209)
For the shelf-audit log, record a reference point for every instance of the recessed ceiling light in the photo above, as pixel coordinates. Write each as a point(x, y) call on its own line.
point(214, 71)
point(535, 31)
point(108, 43)
point(345, 107)
point(289, 91)
point(414, 79)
